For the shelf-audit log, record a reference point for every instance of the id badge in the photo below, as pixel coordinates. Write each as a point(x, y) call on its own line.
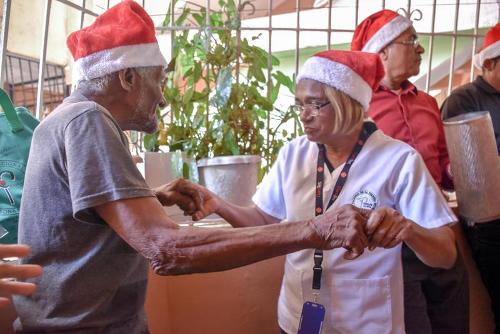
point(312, 318)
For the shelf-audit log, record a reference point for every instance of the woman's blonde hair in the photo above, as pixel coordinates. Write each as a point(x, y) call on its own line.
point(348, 113)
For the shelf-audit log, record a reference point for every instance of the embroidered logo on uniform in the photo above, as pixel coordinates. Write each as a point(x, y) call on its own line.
point(365, 199)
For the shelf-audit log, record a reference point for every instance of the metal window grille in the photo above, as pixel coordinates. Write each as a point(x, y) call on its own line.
point(408, 7)
point(21, 82)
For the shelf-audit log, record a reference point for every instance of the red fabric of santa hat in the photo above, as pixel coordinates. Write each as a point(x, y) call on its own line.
point(491, 46)
point(356, 74)
point(122, 37)
point(378, 30)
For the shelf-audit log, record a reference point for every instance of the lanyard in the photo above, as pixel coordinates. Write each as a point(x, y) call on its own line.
point(368, 129)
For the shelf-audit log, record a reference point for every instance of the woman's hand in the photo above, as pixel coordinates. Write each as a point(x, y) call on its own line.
point(386, 228)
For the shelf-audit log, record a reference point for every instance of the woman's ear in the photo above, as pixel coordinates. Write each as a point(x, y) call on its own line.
point(128, 78)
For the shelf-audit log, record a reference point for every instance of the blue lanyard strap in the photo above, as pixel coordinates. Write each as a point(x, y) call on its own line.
point(368, 129)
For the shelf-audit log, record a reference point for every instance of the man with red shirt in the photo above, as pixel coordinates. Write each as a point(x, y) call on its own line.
point(436, 300)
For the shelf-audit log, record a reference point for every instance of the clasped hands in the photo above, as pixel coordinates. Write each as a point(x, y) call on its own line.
point(356, 229)
point(346, 226)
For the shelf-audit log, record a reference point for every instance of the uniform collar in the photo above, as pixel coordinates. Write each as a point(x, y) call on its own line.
point(485, 86)
point(406, 87)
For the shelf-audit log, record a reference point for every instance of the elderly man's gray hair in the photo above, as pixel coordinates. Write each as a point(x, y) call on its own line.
point(101, 84)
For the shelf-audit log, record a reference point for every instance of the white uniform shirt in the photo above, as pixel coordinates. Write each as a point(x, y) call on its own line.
point(365, 295)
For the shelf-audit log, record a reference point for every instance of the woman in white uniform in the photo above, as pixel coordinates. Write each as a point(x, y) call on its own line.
point(342, 160)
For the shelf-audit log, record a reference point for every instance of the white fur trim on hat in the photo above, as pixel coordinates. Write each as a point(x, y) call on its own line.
point(111, 60)
point(490, 52)
point(339, 76)
point(389, 32)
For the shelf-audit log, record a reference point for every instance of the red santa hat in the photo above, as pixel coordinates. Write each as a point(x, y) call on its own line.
point(356, 74)
point(122, 37)
point(491, 46)
point(378, 30)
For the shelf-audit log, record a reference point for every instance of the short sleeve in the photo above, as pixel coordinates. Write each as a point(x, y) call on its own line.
point(269, 196)
point(99, 165)
point(418, 197)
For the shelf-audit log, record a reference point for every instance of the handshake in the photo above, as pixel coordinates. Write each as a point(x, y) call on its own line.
point(346, 226)
point(356, 229)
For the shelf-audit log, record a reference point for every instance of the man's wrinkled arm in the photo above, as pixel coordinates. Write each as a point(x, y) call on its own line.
point(172, 250)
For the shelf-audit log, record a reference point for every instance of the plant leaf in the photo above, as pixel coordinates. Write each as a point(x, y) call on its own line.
point(231, 143)
point(150, 141)
point(180, 20)
point(222, 87)
point(285, 81)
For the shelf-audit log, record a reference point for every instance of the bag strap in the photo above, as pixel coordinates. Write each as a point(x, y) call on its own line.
point(10, 112)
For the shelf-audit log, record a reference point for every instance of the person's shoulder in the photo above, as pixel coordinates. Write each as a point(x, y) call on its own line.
point(298, 148)
point(469, 89)
point(386, 146)
point(70, 110)
point(299, 144)
point(460, 100)
point(426, 96)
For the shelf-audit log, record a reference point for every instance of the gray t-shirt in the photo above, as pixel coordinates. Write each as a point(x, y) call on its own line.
point(93, 281)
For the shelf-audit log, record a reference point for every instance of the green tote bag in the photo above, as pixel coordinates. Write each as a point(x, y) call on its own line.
point(16, 130)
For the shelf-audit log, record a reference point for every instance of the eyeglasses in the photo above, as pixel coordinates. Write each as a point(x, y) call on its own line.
point(313, 108)
point(412, 42)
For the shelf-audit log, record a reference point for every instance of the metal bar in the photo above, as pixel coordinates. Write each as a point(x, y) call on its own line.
point(356, 11)
point(172, 44)
point(32, 82)
point(453, 48)
point(6, 74)
point(383, 4)
point(181, 28)
point(474, 39)
point(4, 38)
point(12, 79)
point(207, 31)
point(269, 70)
point(431, 48)
point(108, 4)
point(80, 8)
point(297, 51)
point(143, 3)
point(238, 47)
point(297, 36)
point(43, 57)
point(82, 17)
point(50, 84)
point(22, 79)
point(329, 32)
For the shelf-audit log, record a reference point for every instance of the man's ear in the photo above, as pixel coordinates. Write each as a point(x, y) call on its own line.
point(488, 65)
point(384, 53)
point(128, 78)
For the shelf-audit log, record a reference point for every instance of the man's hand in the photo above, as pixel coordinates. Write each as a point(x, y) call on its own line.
point(343, 227)
point(195, 200)
point(180, 192)
point(9, 271)
point(386, 228)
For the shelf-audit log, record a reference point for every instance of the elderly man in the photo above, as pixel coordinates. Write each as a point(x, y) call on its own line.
point(483, 94)
point(436, 300)
point(91, 220)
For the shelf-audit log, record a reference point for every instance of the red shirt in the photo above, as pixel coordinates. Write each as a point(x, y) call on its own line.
point(413, 117)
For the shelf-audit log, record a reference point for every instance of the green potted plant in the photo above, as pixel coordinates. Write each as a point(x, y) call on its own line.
point(221, 100)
